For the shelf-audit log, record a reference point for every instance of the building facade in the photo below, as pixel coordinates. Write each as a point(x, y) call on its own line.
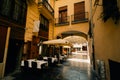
point(72, 21)
point(55, 19)
point(12, 29)
point(39, 26)
point(23, 24)
point(71, 17)
point(106, 30)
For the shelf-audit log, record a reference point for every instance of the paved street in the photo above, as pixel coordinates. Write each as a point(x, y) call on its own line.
point(72, 69)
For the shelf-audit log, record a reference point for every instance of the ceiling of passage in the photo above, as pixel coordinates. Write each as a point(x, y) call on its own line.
point(76, 39)
point(73, 33)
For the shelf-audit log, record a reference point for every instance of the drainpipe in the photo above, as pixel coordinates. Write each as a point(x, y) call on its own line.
point(92, 37)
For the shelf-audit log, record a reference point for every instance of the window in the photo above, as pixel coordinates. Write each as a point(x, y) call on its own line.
point(79, 11)
point(63, 14)
point(14, 10)
point(44, 23)
point(84, 48)
point(23, 13)
point(5, 7)
point(17, 10)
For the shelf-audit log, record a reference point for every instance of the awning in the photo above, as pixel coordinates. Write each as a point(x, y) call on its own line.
point(57, 42)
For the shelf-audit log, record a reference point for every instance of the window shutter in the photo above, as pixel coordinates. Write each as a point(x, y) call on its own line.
point(63, 14)
point(79, 10)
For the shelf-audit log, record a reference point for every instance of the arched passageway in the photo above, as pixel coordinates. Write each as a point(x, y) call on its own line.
point(79, 41)
point(72, 33)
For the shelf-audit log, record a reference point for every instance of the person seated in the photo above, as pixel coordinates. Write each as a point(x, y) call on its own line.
point(40, 57)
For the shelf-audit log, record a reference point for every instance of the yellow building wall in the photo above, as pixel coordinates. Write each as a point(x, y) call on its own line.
point(51, 29)
point(32, 15)
point(82, 27)
point(51, 19)
point(106, 39)
point(70, 4)
point(52, 3)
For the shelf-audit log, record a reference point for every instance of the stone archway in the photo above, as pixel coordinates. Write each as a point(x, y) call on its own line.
point(77, 38)
point(72, 33)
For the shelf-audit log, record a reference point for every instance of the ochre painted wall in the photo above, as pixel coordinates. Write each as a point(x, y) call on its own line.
point(32, 15)
point(82, 27)
point(106, 40)
point(48, 16)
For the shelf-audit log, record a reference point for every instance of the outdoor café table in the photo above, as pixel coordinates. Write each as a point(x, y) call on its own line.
point(53, 59)
point(29, 62)
point(39, 63)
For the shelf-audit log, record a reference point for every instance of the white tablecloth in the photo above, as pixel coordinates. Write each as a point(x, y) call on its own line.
point(39, 63)
point(53, 59)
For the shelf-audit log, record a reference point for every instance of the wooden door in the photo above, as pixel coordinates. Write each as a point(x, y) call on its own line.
point(3, 34)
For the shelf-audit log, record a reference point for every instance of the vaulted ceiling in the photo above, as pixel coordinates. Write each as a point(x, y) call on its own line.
point(76, 39)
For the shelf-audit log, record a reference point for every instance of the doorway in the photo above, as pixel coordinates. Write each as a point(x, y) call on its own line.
point(13, 56)
point(114, 70)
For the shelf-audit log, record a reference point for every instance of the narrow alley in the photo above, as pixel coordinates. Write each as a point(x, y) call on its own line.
point(71, 69)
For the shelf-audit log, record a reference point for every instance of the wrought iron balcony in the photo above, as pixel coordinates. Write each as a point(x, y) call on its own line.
point(81, 17)
point(45, 4)
point(62, 21)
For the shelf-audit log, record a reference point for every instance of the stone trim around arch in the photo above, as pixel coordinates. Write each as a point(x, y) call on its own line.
point(70, 33)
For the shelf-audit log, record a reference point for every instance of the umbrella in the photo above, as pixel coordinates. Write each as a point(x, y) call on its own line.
point(57, 42)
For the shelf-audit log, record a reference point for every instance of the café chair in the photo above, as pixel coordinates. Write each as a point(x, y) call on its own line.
point(25, 68)
point(34, 67)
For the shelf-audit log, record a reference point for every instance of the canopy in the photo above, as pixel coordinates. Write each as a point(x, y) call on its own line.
point(57, 42)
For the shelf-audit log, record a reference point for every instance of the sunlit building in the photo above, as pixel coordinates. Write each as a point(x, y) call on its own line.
point(72, 21)
point(20, 33)
point(39, 26)
point(106, 30)
point(92, 26)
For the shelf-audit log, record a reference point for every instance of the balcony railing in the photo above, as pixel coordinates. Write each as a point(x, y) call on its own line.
point(47, 5)
point(62, 21)
point(81, 17)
